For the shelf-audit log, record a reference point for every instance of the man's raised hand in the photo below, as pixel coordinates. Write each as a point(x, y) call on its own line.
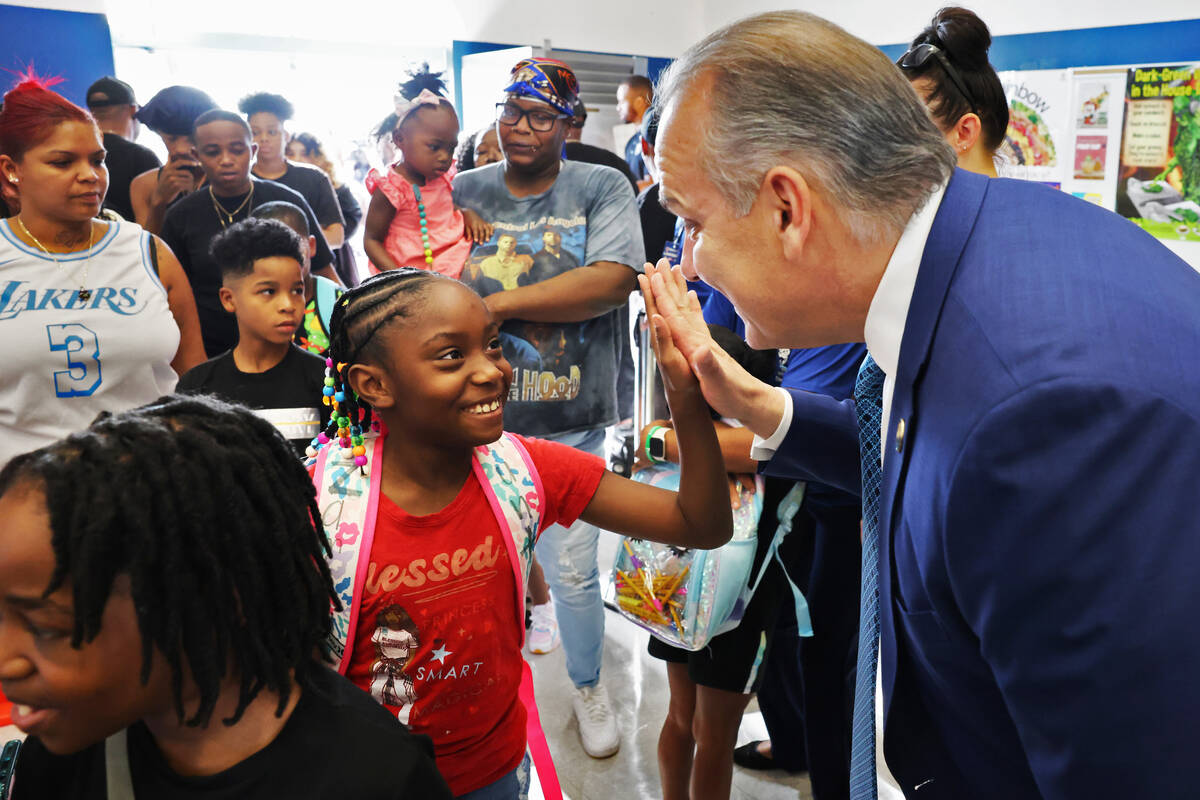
point(727, 387)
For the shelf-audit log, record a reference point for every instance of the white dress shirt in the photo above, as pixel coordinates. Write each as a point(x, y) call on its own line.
point(883, 333)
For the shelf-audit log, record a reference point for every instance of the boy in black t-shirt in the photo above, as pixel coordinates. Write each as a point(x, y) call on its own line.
point(224, 149)
point(163, 586)
point(263, 286)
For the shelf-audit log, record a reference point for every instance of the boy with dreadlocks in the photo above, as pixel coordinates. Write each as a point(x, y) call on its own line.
point(263, 286)
point(433, 522)
point(163, 588)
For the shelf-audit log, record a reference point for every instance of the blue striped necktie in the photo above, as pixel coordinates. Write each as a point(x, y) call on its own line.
point(868, 399)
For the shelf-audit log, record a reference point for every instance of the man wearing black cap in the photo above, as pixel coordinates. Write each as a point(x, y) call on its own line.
point(566, 311)
point(113, 105)
point(170, 114)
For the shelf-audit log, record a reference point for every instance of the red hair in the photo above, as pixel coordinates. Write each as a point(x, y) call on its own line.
point(31, 112)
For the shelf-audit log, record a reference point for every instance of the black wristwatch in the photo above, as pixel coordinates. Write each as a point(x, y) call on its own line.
point(656, 445)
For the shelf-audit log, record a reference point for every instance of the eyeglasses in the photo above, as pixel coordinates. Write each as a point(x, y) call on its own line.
point(540, 121)
point(919, 56)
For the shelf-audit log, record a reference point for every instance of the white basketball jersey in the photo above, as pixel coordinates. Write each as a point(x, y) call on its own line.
point(68, 358)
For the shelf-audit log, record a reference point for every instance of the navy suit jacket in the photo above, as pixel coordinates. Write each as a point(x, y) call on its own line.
point(1039, 526)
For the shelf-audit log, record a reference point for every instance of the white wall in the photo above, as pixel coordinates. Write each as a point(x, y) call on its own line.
point(881, 22)
point(641, 27)
point(644, 27)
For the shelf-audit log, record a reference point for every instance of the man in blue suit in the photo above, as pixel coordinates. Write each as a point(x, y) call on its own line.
point(1038, 365)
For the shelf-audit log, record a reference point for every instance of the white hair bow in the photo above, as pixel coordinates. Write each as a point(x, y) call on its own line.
point(404, 106)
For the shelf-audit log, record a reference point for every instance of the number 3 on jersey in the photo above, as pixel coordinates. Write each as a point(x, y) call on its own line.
point(81, 350)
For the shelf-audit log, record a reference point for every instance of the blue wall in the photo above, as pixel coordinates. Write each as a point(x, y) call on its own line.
point(1151, 43)
point(70, 45)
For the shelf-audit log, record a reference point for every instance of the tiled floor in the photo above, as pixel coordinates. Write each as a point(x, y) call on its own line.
point(637, 684)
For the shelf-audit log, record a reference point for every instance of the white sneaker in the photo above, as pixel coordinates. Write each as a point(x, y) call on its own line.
point(597, 725)
point(543, 634)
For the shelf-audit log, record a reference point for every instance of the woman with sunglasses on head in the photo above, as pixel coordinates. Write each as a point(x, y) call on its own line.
point(948, 66)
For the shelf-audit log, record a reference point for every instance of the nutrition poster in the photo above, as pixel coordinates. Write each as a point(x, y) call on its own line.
point(1159, 183)
point(1091, 157)
point(1036, 146)
point(1096, 117)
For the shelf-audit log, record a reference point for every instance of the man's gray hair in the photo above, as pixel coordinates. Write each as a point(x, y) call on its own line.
point(792, 89)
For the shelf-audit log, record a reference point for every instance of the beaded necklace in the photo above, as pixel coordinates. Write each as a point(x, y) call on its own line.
point(424, 225)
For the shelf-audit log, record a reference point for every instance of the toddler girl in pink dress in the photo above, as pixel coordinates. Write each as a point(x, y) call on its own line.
point(412, 220)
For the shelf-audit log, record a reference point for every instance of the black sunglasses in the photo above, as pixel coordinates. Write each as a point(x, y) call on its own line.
point(917, 57)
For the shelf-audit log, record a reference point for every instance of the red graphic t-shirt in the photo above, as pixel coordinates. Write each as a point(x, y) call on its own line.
point(438, 640)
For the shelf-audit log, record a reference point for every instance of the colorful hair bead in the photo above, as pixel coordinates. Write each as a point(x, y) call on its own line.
point(360, 461)
point(322, 438)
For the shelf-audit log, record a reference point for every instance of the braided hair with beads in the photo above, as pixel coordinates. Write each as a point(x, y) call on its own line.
point(357, 317)
point(205, 508)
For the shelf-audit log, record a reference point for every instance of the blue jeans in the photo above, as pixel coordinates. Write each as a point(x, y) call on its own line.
point(506, 788)
point(568, 557)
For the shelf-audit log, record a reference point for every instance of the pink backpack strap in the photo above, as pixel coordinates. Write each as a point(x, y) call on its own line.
point(513, 488)
point(348, 501)
point(539, 749)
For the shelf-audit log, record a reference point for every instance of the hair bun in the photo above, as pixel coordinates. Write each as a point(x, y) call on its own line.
point(962, 34)
point(422, 78)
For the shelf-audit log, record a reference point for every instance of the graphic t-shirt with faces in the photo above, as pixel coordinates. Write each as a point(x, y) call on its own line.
point(564, 374)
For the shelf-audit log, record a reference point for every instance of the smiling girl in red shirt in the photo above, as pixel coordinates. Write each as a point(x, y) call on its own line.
point(436, 605)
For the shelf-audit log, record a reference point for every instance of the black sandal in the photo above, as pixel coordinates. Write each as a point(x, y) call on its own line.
point(749, 757)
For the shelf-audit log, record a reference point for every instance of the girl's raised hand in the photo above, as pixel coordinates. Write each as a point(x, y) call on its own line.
point(667, 295)
point(474, 227)
point(674, 367)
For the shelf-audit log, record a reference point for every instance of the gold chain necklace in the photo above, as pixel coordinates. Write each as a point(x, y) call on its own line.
point(226, 217)
point(84, 294)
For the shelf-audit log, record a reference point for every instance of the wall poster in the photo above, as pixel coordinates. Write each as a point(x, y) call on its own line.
point(1036, 146)
point(1159, 183)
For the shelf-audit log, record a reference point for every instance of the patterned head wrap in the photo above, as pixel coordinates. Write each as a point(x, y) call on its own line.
point(544, 79)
